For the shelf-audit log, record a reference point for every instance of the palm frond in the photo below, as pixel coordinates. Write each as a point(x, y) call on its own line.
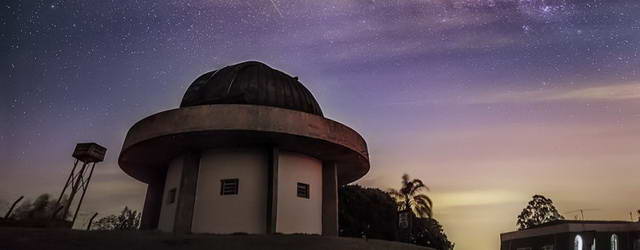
point(423, 211)
point(410, 196)
point(418, 186)
point(425, 198)
point(400, 205)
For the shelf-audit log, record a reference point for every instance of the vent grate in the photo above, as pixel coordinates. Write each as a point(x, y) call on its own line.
point(229, 186)
point(303, 190)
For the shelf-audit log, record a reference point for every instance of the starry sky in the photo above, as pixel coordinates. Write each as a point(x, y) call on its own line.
point(487, 101)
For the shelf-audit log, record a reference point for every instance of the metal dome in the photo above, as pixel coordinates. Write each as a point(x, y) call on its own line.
point(252, 83)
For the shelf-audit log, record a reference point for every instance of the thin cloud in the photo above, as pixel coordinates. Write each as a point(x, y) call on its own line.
point(477, 198)
point(613, 92)
point(620, 92)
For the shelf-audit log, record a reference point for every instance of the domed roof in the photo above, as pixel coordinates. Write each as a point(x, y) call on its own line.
point(252, 83)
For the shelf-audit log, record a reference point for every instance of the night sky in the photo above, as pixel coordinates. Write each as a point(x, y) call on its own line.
point(487, 101)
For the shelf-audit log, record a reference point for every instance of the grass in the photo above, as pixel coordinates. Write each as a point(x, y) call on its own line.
point(54, 239)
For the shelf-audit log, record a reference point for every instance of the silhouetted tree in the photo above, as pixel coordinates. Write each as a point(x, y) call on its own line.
point(36, 213)
point(425, 230)
point(367, 212)
point(39, 210)
point(429, 233)
point(410, 197)
point(373, 213)
point(128, 220)
point(539, 210)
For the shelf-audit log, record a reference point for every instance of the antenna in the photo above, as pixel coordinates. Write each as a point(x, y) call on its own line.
point(88, 154)
point(581, 212)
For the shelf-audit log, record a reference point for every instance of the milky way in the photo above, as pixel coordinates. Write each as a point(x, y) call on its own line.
point(467, 95)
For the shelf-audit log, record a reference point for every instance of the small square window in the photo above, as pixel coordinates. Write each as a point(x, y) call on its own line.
point(172, 196)
point(303, 190)
point(229, 186)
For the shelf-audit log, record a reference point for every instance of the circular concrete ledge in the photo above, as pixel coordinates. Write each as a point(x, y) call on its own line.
point(152, 142)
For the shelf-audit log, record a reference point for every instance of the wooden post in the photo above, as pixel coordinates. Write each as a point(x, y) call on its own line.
point(6, 216)
point(91, 221)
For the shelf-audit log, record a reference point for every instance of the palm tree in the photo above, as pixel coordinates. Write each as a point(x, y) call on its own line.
point(410, 197)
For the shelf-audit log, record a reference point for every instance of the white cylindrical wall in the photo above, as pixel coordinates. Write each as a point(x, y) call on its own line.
point(172, 181)
point(244, 212)
point(247, 211)
point(296, 214)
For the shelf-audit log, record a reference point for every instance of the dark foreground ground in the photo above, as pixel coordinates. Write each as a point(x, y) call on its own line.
point(54, 239)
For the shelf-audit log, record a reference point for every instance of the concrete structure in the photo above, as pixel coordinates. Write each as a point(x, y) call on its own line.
point(576, 235)
point(249, 150)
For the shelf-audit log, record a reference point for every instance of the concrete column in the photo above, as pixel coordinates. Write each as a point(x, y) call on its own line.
point(329, 199)
point(272, 191)
point(153, 201)
point(187, 193)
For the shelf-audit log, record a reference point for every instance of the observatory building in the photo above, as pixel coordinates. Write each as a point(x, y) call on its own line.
point(248, 150)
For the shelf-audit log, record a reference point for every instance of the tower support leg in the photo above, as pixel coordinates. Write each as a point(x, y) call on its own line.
point(84, 185)
point(64, 189)
point(74, 189)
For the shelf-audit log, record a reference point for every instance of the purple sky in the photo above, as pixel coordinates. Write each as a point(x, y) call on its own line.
point(488, 102)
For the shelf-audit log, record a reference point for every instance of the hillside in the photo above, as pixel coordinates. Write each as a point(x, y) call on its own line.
point(54, 239)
